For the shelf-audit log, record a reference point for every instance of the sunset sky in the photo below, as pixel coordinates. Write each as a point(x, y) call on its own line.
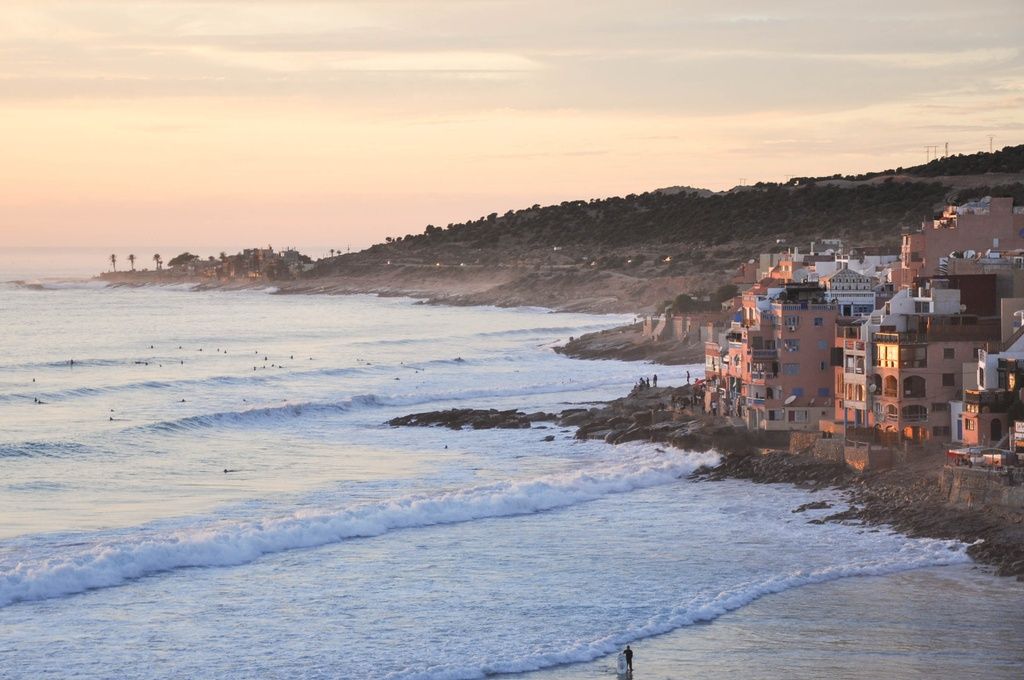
point(228, 123)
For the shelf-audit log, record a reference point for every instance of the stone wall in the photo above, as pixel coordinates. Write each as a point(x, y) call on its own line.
point(861, 457)
point(976, 487)
point(802, 442)
point(830, 450)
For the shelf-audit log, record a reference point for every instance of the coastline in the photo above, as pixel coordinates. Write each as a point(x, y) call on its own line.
point(558, 289)
point(950, 623)
point(907, 499)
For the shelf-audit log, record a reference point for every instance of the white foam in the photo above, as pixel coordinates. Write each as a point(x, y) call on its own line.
point(927, 553)
point(114, 563)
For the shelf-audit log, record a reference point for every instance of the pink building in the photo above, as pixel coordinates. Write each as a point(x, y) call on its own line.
point(989, 224)
point(772, 368)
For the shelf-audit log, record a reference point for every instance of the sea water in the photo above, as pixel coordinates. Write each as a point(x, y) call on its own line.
point(203, 485)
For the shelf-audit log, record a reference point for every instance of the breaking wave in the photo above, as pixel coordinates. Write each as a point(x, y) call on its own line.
point(108, 564)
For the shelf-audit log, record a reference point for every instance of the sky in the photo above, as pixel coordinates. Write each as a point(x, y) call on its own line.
point(229, 123)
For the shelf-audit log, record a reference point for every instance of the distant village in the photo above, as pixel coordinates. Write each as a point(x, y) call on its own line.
point(872, 357)
point(250, 264)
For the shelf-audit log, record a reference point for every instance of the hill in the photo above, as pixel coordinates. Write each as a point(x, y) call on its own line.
point(625, 253)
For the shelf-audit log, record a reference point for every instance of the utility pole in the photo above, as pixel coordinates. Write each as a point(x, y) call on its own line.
point(927, 149)
point(946, 154)
point(990, 138)
point(743, 181)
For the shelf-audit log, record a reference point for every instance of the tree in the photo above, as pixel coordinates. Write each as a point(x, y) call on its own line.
point(159, 261)
point(113, 261)
point(726, 291)
point(182, 259)
point(131, 260)
point(332, 252)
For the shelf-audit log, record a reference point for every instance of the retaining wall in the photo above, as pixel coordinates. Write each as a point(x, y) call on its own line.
point(975, 487)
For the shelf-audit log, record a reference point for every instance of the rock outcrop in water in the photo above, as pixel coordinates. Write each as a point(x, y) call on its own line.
point(907, 498)
point(477, 419)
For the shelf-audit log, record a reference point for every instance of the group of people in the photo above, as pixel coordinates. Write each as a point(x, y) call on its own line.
point(645, 383)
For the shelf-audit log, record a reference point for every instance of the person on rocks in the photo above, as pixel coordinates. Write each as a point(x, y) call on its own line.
point(655, 379)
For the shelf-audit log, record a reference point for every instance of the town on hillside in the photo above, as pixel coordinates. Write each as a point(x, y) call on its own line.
point(872, 357)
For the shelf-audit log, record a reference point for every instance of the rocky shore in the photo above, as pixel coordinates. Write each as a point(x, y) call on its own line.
point(627, 343)
point(907, 498)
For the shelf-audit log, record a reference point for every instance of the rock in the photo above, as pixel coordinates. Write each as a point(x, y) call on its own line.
point(815, 505)
point(456, 419)
point(549, 438)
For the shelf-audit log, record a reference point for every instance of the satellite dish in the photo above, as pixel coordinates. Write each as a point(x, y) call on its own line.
point(790, 399)
point(970, 254)
point(872, 388)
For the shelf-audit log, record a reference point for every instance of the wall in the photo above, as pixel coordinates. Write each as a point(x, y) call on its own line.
point(974, 487)
point(862, 457)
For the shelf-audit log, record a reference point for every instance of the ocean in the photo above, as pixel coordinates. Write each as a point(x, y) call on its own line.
point(211, 490)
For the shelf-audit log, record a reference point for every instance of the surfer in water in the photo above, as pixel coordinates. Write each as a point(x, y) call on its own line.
point(628, 653)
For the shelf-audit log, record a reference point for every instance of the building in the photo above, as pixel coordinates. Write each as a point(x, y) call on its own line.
point(852, 292)
point(981, 226)
point(771, 367)
point(985, 418)
point(919, 345)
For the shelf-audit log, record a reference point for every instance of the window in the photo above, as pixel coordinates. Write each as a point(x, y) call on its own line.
point(969, 424)
point(822, 391)
point(791, 345)
point(949, 380)
point(819, 321)
point(822, 344)
point(798, 416)
point(791, 369)
point(915, 412)
point(949, 353)
point(941, 430)
point(921, 307)
point(798, 391)
point(940, 406)
point(914, 386)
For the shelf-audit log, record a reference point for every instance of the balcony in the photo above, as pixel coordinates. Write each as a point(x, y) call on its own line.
point(901, 338)
point(765, 354)
point(988, 401)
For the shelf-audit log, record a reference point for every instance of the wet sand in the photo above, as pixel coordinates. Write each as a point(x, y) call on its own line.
point(936, 623)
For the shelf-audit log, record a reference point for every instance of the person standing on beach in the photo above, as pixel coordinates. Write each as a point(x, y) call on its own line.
point(655, 379)
point(628, 653)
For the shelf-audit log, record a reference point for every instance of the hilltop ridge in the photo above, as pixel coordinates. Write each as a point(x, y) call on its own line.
point(631, 252)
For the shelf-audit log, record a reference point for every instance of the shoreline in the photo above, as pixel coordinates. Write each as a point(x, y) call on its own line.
point(622, 343)
point(908, 499)
point(808, 632)
point(571, 289)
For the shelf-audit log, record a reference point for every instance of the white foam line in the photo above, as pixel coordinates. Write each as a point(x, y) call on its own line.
point(115, 563)
point(932, 553)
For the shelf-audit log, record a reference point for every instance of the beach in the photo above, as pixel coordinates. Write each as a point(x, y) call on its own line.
point(948, 623)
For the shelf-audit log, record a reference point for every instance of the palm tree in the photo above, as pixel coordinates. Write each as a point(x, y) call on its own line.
point(332, 252)
point(131, 261)
point(159, 261)
point(113, 261)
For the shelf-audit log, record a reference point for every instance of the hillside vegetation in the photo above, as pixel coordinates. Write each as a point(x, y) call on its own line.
point(679, 239)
